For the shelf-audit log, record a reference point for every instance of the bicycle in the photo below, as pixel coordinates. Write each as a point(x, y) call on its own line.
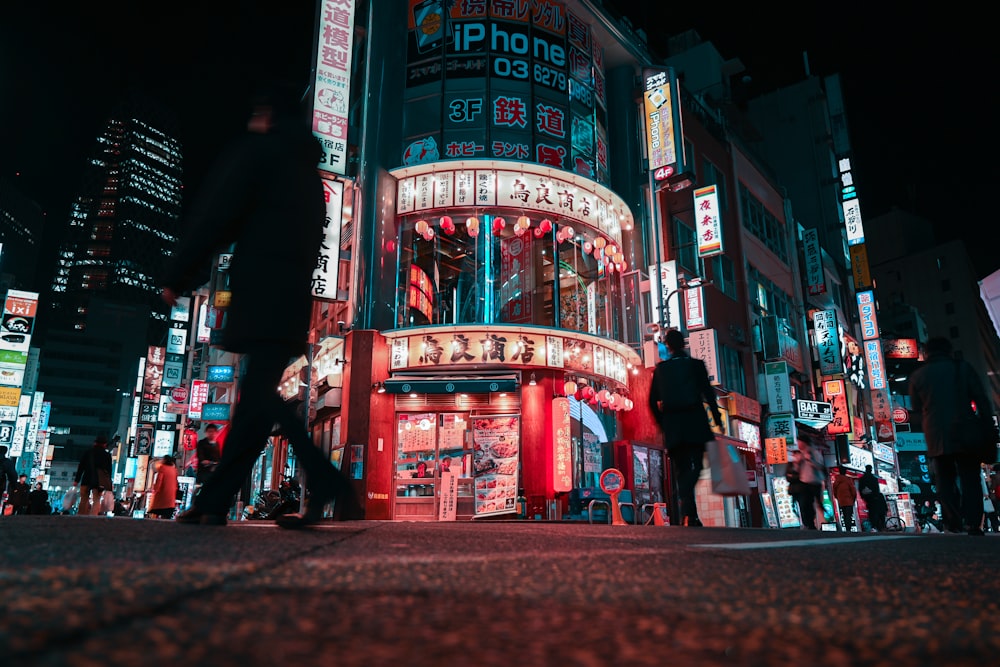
point(893, 524)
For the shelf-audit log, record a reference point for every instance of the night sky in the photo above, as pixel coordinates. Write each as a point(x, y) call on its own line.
point(917, 87)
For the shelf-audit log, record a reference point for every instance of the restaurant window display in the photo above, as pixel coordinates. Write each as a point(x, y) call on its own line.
point(523, 270)
point(483, 452)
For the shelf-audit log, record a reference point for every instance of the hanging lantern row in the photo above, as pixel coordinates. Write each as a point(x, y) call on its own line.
point(603, 397)
point(602, 250)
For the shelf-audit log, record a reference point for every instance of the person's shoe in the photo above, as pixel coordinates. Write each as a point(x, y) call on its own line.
point(692, 522)
point(196, 516)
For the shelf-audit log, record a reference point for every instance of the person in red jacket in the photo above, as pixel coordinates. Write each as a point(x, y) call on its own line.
point(164, 500)
point(847, 495)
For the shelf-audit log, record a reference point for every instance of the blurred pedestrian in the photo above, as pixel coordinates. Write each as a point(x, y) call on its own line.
point(209, 453)
point(846, 494)
point(990, 504)
point(8, 478)
point(806, 475)
point(677, 395)
point(875, 503)
point(38, 500)
point(164, 500)
point(266, 197)
point(93, 474)
point(69, 499)
point(940, 390)
point(17, 495)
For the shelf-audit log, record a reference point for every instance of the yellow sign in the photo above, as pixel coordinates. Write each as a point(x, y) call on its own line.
point(222, 299)
point(10, 395)
point(859, 267)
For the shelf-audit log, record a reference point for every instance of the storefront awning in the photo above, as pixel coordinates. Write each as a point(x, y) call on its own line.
point(459, 384)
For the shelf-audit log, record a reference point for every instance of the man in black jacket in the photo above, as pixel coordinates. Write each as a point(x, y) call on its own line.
point(680, 385)
point(266, 196)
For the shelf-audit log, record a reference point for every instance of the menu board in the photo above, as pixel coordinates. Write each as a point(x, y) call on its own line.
point(496, 443)
point(417, 433)
point(788, 517)
point(452, 434)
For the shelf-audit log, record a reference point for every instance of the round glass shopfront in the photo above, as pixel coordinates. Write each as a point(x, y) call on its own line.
point(454, 272)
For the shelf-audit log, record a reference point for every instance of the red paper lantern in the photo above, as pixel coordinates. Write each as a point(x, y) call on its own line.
point(447, 225)
point(498, 225)
point(545, 225)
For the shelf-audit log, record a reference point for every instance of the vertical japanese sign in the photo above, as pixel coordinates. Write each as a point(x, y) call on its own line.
point(835, 392)
point(326, 273)
point(704, 345)
point(866, 312)
point(198, 397)
point(708, 223)
point(882, 408)
point(694, 310)
point(851, 205)
point(827, 345)
point(448, 507)
point(664, 301)
point(662, 127)
point(859, 267)
point(815, 279)
point(876, 365)
point(779, 391)
point(332, 85)
point(562, 446)
point(153, 377)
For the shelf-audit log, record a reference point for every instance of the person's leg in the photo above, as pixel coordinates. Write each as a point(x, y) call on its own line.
point(84, 500)
point(323, 480)
point(946, 473)
point(688, 465)
point(971, 491)
point(251, 425)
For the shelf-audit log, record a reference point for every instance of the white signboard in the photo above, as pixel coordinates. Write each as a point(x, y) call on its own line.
point(668, 294)
point(163, 443)
point(332, 85)
point(852, 220)
point(326, 273)
point(708, 223)
point(704, 345)
point(779, 391)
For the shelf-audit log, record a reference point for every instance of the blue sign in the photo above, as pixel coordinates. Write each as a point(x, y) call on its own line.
point(220, 374)
point(215, 412)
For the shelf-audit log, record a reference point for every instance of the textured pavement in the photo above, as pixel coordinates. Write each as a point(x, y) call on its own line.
point(107, 592)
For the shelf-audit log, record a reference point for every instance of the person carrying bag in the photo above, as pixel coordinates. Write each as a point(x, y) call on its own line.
point(942, 392)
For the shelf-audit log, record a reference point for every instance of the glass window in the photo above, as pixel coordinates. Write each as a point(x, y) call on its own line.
point(732, 370)
point(686, 247)
point(724, 275)
point(451, 273)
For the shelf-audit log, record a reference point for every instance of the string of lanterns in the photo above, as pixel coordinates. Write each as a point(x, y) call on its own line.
point(602, 397)
point(603, 250)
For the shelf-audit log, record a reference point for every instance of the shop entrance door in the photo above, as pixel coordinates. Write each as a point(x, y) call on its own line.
point(428, 445)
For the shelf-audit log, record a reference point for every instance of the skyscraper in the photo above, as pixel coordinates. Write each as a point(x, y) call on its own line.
point(123, 224)
point(103, 308)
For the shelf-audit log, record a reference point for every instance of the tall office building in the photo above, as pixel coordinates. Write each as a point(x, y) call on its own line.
point(123, 224)
point(103, 309)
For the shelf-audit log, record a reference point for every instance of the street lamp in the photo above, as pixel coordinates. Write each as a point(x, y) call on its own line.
point(683, 284)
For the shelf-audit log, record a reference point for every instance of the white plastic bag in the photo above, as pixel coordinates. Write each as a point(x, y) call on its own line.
point(107, 502)
point(69, 498)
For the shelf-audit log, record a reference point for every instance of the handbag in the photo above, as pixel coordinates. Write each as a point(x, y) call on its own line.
point(729, 476)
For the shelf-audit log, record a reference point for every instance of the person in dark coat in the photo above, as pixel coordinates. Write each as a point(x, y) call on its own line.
point(93, 474)
point(679, 388)
point(939, 390)
point(209, 454)
point(38, 501)
point(871, 492)
point(265, 196)
point(18, 494)
point(8, 472)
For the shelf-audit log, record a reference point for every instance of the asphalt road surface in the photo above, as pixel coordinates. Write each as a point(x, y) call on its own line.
point(103, 592)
